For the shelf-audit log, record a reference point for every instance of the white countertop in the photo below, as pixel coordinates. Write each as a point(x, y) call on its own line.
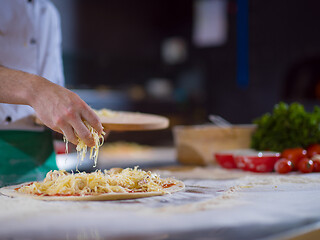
point(249, 207)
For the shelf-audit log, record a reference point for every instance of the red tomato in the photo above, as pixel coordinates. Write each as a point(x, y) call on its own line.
point(283, 166)
point(313, 149)
point(305, 165)
point(294, 155)
point(316, 165)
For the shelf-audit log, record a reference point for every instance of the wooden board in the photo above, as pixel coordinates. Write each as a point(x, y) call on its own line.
point(130, 121)
point(197, 144)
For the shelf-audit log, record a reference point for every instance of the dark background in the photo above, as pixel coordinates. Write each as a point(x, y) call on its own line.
point(116, 45)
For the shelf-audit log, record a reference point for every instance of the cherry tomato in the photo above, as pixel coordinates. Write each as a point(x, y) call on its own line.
point(294, 155)
point(316, 165)
point(313, 149)
point(305, 165)
point(283, 165)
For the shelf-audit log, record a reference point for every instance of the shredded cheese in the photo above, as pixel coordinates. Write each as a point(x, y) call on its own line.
point(116, 180)
point(82, 147)
point(94, 151)
point(98, 139)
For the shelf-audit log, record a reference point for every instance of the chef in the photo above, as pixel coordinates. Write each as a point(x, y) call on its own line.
point(31, 83)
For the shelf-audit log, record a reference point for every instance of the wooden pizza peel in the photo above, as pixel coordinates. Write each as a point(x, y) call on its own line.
point(130, 121)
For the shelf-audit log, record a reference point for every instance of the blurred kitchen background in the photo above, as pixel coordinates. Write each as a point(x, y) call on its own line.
point(186, 59)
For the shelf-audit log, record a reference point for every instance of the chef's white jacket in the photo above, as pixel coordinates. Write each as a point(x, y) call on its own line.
point(30, 40)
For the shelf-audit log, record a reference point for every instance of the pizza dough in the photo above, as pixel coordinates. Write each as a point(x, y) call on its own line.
point(11, 192)
point(113, 184)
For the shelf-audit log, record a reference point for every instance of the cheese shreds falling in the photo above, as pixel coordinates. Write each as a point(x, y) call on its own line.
point(94, 151)
point(82, 147)
point(115, 180)
point(98, 139)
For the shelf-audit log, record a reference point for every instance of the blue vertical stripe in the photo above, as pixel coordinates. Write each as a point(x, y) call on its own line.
point(243, 43)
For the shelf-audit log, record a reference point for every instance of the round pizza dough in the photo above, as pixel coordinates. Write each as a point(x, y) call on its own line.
point(11, 192)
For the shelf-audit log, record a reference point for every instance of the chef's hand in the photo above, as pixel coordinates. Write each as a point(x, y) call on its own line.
point(64, 111)
point(57, 107)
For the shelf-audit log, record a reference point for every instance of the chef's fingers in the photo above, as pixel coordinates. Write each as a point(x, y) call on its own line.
point(106, 133)
point(82, 131)
point(68, 132)
point(91, 117)
point(57, 129)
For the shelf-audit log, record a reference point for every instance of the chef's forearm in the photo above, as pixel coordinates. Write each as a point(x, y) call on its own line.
point(57, 107)
point(18, 87)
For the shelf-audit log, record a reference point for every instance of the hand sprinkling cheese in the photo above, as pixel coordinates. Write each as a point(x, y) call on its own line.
point(82, 147)
point(98, 139)
point(94, 151)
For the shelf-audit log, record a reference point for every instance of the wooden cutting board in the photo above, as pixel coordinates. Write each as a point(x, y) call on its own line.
point(130, 121)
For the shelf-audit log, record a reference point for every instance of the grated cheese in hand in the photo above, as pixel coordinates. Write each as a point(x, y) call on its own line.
point(94, 151)
point(98, 139)
point(82, 147)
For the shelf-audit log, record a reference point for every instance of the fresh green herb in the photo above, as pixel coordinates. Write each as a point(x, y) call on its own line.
point(288, 126)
